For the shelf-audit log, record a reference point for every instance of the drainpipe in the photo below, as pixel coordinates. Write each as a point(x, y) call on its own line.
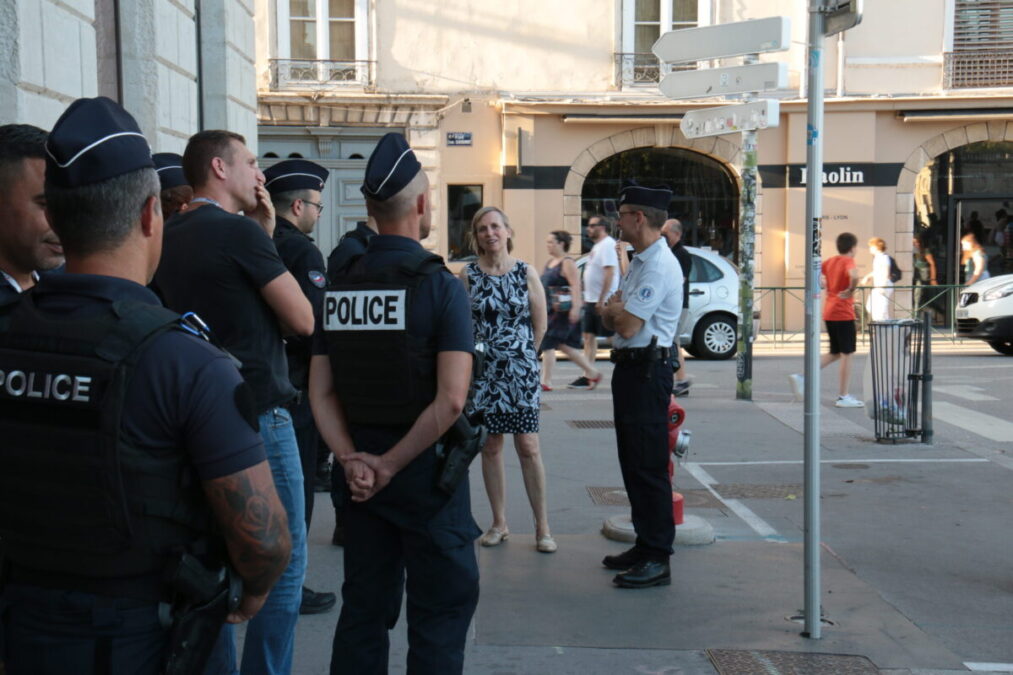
point(840, 64)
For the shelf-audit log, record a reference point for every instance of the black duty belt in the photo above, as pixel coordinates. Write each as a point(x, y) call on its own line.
point(639, 354)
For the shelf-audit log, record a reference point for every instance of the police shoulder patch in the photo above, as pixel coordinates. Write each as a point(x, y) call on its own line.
point(645, 293)
point(317, 278)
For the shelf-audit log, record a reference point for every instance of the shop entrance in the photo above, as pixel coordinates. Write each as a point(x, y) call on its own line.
point(706, 195)
point(968, 189)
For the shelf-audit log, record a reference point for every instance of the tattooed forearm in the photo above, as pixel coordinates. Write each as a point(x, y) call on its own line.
point(254, 524)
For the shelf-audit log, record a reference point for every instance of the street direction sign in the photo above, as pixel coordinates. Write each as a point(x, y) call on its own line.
point(731, 118)
point(843, 14)
point(756, 36)
point(724, 81)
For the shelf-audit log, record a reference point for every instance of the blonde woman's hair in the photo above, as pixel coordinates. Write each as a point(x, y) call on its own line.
point(878, 243)
point(481, 213)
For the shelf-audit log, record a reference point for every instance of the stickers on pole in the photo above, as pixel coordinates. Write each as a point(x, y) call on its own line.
point(731, 118)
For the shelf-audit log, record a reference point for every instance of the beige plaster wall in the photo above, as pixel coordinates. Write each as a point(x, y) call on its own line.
point(441, 46)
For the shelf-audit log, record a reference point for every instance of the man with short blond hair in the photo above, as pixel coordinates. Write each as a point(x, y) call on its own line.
point(225, 267)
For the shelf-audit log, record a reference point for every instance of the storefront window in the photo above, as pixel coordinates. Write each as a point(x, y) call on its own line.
point(706, 197)
point(462, 203)
point(968, 189)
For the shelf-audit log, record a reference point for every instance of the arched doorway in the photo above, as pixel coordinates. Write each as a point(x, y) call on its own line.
point(966, 188)
point(706, 195)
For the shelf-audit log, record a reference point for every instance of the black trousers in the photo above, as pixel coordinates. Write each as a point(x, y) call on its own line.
point(640, 396)
point(308, 439)
point(53, 632)
point(391, 546)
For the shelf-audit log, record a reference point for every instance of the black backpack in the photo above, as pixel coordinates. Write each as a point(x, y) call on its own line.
point(895, 273)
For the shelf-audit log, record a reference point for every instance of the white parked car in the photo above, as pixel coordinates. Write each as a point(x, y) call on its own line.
point(985, 311)
point(713, 305)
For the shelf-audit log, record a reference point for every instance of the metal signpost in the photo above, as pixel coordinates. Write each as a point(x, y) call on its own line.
point(747, 39)
point(826, 17)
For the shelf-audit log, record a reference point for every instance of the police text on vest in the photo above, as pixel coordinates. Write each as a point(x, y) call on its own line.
point(365, 310)
point(54, 386)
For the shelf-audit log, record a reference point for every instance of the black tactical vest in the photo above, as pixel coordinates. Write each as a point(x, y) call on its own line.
point(78, 498)
point(383, 375)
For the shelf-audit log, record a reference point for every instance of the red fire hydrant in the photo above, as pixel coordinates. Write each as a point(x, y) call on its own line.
point(678, 444)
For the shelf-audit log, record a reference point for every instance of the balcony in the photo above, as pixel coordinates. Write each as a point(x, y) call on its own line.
point(642, 69)
point(320, 75)
point(967, 69)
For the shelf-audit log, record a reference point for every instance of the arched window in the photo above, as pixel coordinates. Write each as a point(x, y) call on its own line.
point(706, 197)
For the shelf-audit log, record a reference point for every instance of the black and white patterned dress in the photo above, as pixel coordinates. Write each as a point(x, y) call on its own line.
point(508, 391)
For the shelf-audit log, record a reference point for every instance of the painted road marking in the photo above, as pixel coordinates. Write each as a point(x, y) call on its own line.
point(926, 460)
point(976, 422)
point(968, 392)
point(759, 525)
point(989, 667)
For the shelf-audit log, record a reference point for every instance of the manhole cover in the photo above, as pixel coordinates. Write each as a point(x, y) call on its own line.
point(756, 491)
point(608, 496)
point(699, 499)
point(591, 424)
point(735, 662)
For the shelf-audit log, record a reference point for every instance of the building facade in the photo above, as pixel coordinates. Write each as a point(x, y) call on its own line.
point(542, 108)
point(177, 65)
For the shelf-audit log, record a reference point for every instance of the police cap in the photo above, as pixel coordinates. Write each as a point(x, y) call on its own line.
point(169, 166)
point(390, 168)
point(94, 140)
point(657, 197)
point(295, 174)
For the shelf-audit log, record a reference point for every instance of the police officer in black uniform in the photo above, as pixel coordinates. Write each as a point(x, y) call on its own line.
point(644, 313)
point(352, 244)
point(28, 245)
point(389, 376)
point(176, 192)
point(129, 446)
point(295, 186)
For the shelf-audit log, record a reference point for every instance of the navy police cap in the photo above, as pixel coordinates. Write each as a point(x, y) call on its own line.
point(169, 166)
point(390, 168)
point(294, 174)
point(94, 140)
point(639, 195)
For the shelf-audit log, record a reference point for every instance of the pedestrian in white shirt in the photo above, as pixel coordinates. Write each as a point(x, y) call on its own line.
point(601, 279)
point(882, 292)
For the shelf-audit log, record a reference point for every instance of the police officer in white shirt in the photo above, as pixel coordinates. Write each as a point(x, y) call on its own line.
point(644, 313)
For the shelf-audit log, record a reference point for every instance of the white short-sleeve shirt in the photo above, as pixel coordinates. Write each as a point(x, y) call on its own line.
point(602, 255)
point(652, 291)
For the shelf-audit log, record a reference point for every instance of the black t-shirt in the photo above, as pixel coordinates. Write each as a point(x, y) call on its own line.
point(215, 263)
point(182, 396)
point(441, 311)
point(686, 263)
point(306, 263)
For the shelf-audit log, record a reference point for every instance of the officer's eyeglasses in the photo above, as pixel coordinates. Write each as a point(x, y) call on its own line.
point(320, 207)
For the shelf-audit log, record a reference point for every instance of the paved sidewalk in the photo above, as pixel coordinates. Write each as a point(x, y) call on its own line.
point(560, 614)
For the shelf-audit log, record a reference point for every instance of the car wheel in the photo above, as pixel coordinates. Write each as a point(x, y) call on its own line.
point(1002, 346)
point(715, 338)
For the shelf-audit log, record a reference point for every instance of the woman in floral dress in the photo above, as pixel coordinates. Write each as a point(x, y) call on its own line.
point(508, 309)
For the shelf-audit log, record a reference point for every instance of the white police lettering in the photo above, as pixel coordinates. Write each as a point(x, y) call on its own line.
point(59, 387)
point(364, 310)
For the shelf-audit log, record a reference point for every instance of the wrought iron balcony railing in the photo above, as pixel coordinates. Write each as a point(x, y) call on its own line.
point(642, 69)
point(978, 68)
point(303, 74)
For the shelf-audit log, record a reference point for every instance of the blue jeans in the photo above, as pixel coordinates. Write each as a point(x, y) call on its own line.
point(270, 636)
